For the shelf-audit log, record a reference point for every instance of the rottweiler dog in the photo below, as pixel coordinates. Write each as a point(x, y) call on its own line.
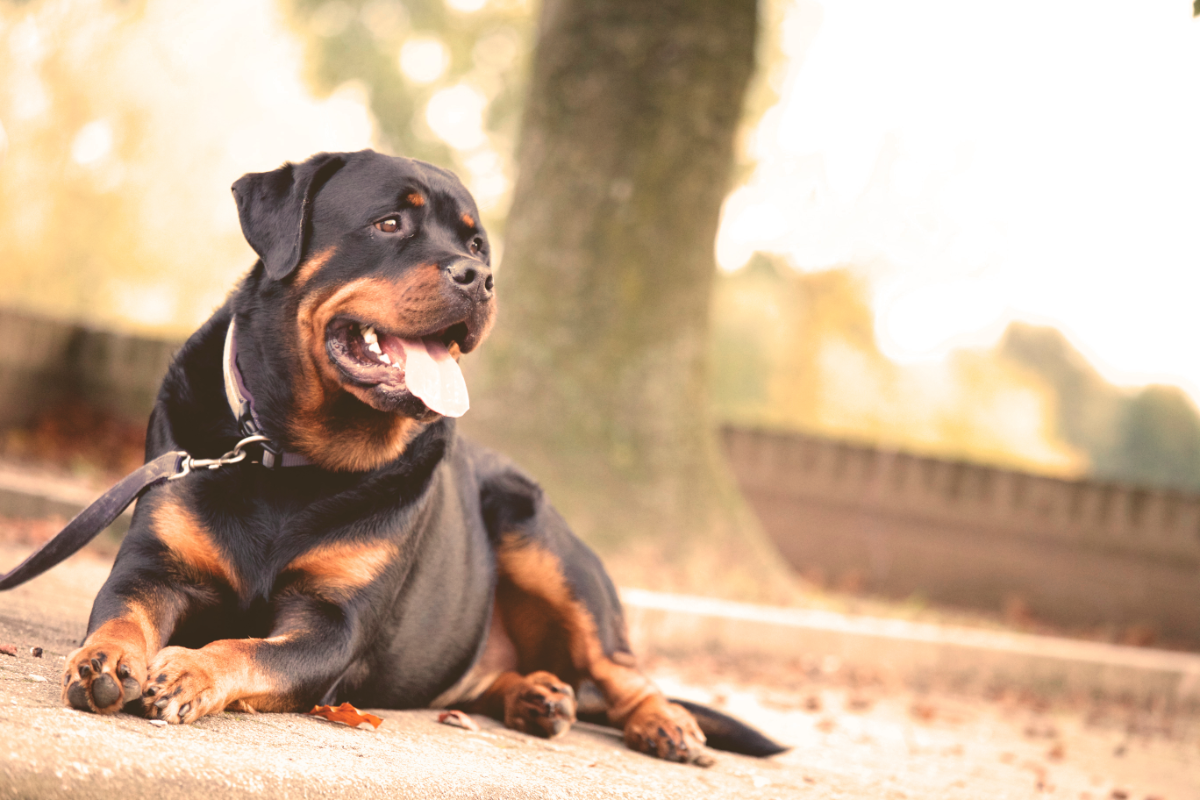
point(363, 553)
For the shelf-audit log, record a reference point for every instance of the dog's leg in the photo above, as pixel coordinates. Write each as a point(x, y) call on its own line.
point(325, 604)
point(537, 703)
point(287, 671)
point(562, 613)
point(128, 622)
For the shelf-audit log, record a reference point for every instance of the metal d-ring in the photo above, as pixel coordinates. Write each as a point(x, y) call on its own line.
point(189, 464)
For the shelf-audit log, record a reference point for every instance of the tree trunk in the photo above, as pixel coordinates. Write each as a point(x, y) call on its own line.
point(595, 379)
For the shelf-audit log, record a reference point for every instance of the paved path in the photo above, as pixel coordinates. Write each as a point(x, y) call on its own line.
point(853, 741)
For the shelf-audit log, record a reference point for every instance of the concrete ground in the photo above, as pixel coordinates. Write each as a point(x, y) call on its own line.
point(852, 736)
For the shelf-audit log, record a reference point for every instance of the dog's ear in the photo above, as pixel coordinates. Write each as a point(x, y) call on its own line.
point(275, 209)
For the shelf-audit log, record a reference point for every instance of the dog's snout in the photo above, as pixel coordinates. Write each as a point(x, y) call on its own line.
point(472, 277)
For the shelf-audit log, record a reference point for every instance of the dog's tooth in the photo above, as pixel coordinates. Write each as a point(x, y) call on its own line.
point(369, 336)
point(385, 358)
point(375, 348)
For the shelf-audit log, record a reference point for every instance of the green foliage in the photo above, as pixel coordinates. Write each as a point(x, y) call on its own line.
point(1149, 437)
point(359, 41)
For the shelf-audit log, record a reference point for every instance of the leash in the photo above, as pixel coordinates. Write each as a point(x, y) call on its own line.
point(171, 466)
point(88, 523)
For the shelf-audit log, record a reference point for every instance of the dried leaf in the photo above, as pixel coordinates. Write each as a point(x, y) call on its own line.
point(346, 714)
point(458, 719)
point(8, 650)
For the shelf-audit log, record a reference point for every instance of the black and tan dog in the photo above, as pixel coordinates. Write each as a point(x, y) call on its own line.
point(368, 555)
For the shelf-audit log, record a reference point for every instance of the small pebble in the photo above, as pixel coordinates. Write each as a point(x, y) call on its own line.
point(36, 652)
point(35, 679)
point(159, 723)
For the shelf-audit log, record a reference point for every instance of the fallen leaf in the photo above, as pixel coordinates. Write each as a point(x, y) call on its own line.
point(458, 719)
point(346, 714)
point(923, 711)
point(36, 652)
point(9, 650)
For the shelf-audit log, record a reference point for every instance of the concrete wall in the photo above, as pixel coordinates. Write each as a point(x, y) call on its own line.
point(44, 361)
point(1080, 553)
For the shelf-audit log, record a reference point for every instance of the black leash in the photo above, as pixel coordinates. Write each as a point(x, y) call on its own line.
point(88, 523)
point(176, 464)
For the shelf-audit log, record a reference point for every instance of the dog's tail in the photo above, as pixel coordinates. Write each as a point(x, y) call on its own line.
point(722, 731)
point(726, 733)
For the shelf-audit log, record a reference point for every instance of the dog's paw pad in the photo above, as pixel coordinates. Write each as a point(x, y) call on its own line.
point(106, 691)
point(667, 731)
point(540, 704)
point(77, 696)
point(101, 677)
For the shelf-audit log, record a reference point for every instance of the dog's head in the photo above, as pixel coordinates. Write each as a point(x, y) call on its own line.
point(383, 268)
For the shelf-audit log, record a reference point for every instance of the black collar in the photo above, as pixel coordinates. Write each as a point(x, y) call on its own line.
point(241, 402)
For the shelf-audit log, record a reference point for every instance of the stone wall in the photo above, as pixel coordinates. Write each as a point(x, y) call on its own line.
point(44, 362)
point(1079, 553)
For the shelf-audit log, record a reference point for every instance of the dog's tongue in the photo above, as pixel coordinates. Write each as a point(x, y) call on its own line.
point(432, 375)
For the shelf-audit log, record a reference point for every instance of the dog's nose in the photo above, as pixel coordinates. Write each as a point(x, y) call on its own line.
point(472, 277)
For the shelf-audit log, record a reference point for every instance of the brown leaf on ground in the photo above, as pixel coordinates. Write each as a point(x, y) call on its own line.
point(923, 711)
point(9, 650)
point(458, 719)
point(346, 714)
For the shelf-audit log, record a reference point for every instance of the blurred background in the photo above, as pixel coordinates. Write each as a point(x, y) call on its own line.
point(961, 233)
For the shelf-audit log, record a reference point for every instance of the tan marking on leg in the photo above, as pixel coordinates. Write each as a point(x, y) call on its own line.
point(129, 640)
point(538, 572)
point(468, 220)
point(538, 703)
point(339, 569)
point(190, 544)
point(415, 200)
point(227, 672)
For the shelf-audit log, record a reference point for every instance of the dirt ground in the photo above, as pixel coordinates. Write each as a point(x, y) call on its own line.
point(852, 735)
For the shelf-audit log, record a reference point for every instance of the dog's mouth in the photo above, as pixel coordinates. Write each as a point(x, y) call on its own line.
point(393, 368)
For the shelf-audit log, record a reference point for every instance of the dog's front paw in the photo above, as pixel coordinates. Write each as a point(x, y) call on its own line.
point(540, 704)
point(666, 730)
point(183, 686)
point(104, 677)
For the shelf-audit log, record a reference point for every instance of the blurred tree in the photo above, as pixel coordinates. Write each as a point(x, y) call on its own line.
point(798, 351)
point(1159, 440)
point(596, 378)
point(1150, 437)
point(405, 53)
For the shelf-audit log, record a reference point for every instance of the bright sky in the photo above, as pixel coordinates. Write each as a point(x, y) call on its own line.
point(1036, 160)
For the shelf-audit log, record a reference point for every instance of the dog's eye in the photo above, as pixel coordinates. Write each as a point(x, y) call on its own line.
point(476, 246)
point(389, 225)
